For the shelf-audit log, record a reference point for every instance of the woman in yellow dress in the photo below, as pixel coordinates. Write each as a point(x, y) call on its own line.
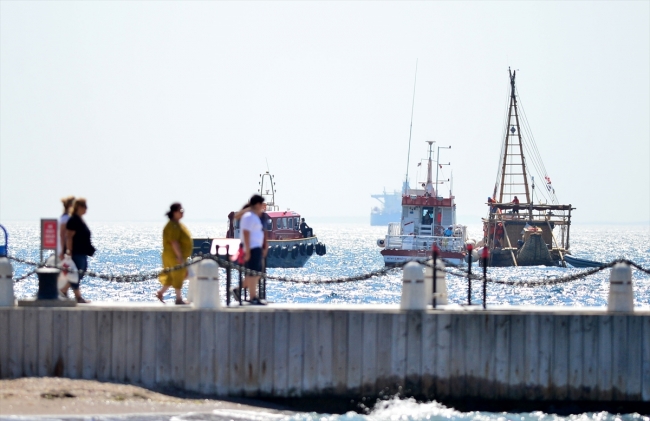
point(177, 247)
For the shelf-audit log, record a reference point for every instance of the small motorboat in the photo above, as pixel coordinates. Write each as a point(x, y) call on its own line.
point(577, 262)
point(291, 242)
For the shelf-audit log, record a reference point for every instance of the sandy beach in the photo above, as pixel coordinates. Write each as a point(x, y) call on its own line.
point(57, 396)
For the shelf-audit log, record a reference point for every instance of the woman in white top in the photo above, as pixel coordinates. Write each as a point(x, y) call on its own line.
point(63, 219)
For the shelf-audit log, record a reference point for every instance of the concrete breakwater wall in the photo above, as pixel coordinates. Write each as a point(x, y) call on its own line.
point(320, 351)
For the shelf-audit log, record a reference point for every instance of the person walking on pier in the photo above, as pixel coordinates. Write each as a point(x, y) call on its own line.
point(79, 246)
point(63, 219)
point(177, 247)
point(252, 235)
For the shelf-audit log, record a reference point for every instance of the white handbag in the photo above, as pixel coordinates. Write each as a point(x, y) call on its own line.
point(68, 270)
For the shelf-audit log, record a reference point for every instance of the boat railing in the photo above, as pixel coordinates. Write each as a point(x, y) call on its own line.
point(413, 242)
point(394, 229)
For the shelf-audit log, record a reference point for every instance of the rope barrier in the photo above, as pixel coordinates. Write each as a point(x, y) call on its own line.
point(226, 264)
point(25, 276)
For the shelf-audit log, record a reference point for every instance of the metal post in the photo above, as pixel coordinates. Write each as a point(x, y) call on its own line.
point(263, 282)
point(228, 274)
point(469, 274)
point(485, 254)
point(435, 273)
point(240, 263)
point(435, 209)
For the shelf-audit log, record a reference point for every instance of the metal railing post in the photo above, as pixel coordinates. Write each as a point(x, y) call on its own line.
point(240, 263)
point(470, 247)
point(485, 255)
point(228, 274)
point(435, 251)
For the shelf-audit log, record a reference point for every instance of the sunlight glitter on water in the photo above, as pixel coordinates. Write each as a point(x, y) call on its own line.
point(130, 248)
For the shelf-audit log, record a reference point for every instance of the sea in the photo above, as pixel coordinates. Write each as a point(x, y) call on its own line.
point(135, 248)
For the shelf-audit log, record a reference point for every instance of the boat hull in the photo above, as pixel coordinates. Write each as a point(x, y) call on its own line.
point(503, 258)
point(577, 262)
point(393, 257)
point(275, 258)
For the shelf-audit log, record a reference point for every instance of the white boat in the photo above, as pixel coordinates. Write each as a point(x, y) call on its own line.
point(428, 219)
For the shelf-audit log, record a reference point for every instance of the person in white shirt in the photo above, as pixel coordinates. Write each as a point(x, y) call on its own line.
point(252, 236)
point(63, 219)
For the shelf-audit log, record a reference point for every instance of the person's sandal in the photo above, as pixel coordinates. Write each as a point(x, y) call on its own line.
point(181, 302)
point(159, 295)
point(236, 292)
point(80, 300)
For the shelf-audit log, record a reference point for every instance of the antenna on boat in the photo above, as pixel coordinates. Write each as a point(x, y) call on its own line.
point(408, 157)
point(268, 193)
point(429, 190)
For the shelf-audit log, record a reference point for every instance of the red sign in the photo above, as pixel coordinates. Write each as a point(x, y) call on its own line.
point(49, 234)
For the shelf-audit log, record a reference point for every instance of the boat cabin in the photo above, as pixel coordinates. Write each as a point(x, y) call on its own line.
point(282, 225)
point(424, 215)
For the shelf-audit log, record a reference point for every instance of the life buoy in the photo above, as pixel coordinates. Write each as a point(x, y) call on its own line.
point(294, 252)
point(310, 249)
point(302, 248)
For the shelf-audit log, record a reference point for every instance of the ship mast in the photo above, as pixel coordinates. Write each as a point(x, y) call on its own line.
point(513, 164)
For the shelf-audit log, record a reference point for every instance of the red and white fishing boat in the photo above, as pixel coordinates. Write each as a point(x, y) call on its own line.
point(290, 243)
point(428, 219)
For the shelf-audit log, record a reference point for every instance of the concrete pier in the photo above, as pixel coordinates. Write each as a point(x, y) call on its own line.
point(280, 351)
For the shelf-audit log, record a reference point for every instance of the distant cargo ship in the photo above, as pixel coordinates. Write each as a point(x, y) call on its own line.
point(390, 209)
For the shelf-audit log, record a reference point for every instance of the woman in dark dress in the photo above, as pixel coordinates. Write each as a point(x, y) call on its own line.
point(78, 245)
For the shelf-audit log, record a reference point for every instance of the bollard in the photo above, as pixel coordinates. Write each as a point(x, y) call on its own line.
point(191, 278)
point(437, 290)
point(48, 279)
point(621, 293)
point(414, 296)
point(206, 292)
point(7, 298)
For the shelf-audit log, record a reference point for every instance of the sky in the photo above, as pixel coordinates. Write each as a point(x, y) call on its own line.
point(135, 105)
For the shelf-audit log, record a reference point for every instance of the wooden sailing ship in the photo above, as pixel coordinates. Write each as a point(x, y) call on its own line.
point(524, 227)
